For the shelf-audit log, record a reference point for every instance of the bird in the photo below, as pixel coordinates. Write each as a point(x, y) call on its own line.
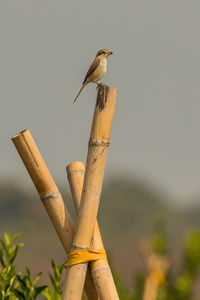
point(97, 69)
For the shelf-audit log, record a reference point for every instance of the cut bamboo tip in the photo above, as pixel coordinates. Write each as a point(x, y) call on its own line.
point(76, 166)
point(18, 134)
point(103, 117)
point(34, 163)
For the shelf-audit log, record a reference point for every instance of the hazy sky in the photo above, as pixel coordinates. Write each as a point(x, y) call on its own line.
point(46, 48)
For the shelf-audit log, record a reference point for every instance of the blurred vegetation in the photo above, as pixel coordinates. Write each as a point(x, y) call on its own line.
point(180, 285)
point(128, 210)
point(177, 286)
point(136, 204)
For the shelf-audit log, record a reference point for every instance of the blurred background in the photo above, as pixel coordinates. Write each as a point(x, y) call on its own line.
point(153, 165)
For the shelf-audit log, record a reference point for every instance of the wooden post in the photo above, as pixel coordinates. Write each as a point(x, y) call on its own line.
point(101, 272)
point(49, 194)
point(96, 159)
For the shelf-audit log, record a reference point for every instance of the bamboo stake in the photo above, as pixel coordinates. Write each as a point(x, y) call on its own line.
point(49, 194)
point(96, 159)
point(101, 272)
point(157, 267)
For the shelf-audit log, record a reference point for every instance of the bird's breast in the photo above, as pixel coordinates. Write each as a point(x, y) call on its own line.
point(103, 64)
point(100, 70)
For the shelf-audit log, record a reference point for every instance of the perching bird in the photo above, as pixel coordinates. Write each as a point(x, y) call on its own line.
point(97, 69)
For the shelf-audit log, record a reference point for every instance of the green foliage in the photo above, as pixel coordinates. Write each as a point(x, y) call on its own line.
point(8, 253)
point(192, 251)
point(178, 286)
point(56, 291)
point(26, 288)
point(14, 286)
point(139, 281)
point(122, 292)
point(158, 241)
point(185, 281)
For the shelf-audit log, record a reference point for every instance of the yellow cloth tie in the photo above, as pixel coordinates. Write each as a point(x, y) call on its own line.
point(157, 277)
point(84, 255)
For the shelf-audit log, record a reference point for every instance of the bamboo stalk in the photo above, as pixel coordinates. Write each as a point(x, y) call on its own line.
point(157, 267)
point(156, 276)
point(101, 272)
point(150, 289)
point(96, 159)
point(49, 194)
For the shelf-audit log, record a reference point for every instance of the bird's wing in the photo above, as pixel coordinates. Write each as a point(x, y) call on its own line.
point(92, 68)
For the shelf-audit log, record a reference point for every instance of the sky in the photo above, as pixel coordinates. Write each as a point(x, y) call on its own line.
point(46, 49)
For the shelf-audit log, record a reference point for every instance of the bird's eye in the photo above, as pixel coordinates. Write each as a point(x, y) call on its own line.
point(103, 52)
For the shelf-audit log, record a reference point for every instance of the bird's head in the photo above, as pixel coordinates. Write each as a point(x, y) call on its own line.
point(103, 53)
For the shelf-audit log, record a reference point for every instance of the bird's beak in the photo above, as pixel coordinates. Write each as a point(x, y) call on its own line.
point(110, 53)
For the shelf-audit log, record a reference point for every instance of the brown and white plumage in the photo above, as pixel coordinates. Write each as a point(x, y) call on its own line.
point(97, 69)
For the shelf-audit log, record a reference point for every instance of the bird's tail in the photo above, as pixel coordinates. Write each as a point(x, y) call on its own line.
point(80, 91)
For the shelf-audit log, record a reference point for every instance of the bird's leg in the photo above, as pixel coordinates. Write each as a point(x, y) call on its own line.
point(98, 84)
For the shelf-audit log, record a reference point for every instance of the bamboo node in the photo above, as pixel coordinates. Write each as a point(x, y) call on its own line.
point(52, 196)
point(101, 267)
point(99, 143)
point(77, 247)
point(78, 172)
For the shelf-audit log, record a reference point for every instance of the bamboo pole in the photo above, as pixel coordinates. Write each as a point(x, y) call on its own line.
point(49, 194)
point(101, 272)
point(96, 159)
point(157, 266)
point(150, 289)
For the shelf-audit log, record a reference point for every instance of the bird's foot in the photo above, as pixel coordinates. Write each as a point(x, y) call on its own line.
point(99, 84)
